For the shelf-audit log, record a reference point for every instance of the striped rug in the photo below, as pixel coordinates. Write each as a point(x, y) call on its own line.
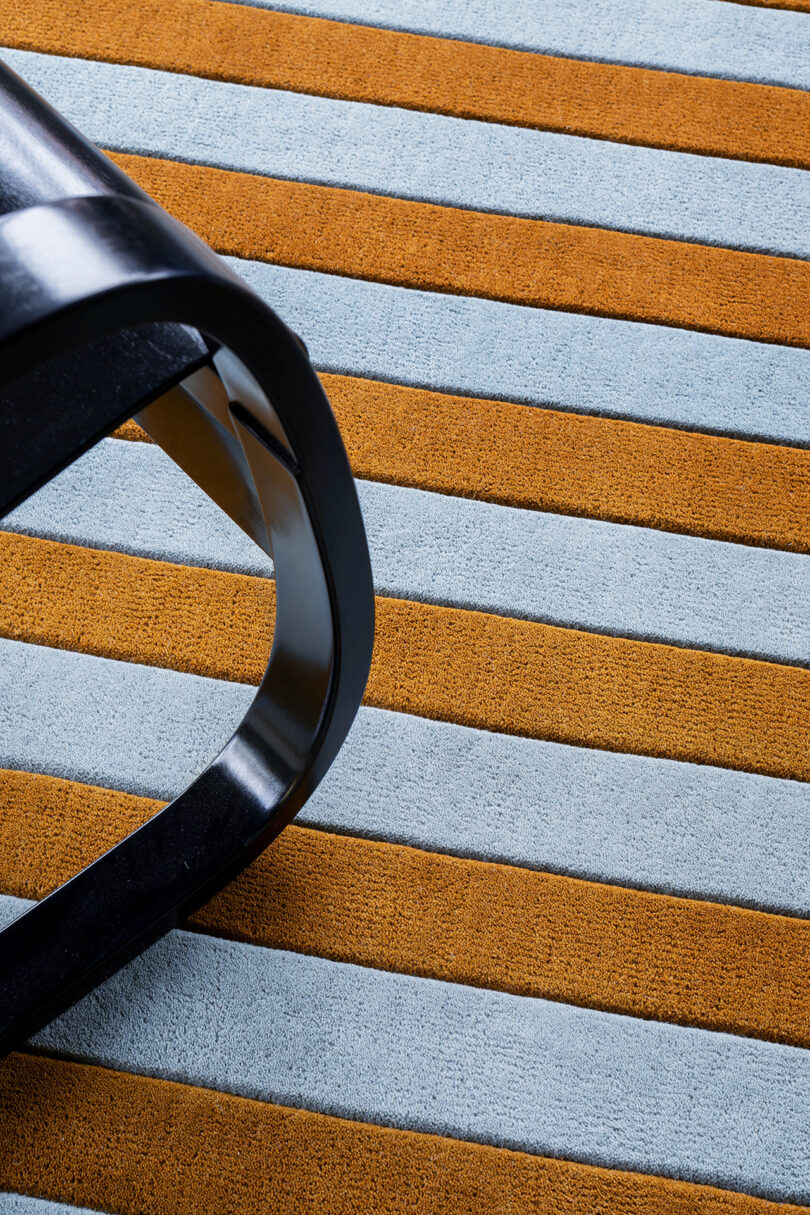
point(540, 942)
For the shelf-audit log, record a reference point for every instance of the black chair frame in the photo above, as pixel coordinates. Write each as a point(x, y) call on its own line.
point(109, 308)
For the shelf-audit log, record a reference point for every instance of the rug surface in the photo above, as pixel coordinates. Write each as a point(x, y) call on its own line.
point(540, 942)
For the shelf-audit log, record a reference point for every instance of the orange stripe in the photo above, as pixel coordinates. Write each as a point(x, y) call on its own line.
point(543, 459)
point(132, 432)
point(493, 672)
point(501, 257)
point(335, 59)
point(440, 917)
point(138, 1146)
point(796, 6)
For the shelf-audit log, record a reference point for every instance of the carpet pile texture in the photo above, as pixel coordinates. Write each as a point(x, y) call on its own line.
point(541, 940)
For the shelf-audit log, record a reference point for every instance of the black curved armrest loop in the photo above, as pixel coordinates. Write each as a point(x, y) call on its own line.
point(254, 427)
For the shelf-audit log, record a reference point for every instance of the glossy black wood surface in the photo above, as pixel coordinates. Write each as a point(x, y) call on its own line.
point(87, 260)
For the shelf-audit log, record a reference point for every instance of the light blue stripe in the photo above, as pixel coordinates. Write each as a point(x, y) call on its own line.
point(699, 37)
point(21, 1204)
point(452, 161)
point(476, 347)
point(141, 729)
point(132, 498)
point(437, 1057)
point(679, 828)
point(579, 573)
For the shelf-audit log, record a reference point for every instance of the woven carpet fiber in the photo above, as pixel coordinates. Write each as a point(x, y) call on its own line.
point(541, 940)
